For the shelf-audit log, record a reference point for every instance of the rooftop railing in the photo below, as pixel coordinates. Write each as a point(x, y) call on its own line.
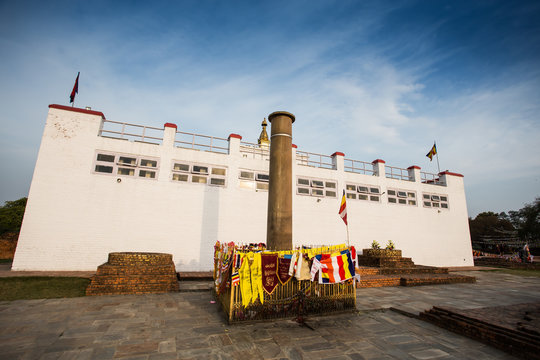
point(201, 142)
point(153, 135)
point(393, 172)
point(429, 178)
point(131, 132)
point(312, 159)
point(359, 167)
point(255, 151)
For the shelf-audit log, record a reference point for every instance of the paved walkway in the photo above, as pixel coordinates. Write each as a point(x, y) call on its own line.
point(190, 326)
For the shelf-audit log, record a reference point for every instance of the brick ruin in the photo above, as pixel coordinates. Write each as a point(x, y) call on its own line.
point(134, 273)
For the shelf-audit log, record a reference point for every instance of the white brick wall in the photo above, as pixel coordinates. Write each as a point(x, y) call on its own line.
point(75, 217)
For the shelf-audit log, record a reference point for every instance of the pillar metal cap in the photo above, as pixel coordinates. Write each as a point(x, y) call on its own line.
point(277, 113)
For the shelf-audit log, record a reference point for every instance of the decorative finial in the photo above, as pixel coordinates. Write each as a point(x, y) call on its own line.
point(263, 138)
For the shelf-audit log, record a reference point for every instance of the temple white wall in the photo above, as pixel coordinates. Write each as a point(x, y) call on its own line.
point(75, 216)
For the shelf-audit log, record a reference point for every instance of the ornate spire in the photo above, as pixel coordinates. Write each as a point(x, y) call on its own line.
point(263, 138)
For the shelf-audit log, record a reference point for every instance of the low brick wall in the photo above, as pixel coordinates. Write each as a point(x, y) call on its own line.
point(134, 273)
point(500, 262)
point(501, 327)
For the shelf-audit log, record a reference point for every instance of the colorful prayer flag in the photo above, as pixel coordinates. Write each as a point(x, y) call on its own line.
point(432, 152)
point(343, 209)
point(75, 89)
point(235, 279)
point(336, 269)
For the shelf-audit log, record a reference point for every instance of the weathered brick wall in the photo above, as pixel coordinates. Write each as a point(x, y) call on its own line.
point(134, 273)
point(8, 244)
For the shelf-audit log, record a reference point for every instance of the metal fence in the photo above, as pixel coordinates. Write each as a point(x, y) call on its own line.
point(359, 167)
point(393, 172)
point(292, 299)
point(429, 178)
point(131, 132)
point(255, 151)
point(201, 142)
point(312, 159)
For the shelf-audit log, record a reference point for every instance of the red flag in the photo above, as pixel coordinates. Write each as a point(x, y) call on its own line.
point(75, 89)
point(343, 209)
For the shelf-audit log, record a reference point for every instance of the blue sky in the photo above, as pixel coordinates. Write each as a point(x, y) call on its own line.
point(371, 79)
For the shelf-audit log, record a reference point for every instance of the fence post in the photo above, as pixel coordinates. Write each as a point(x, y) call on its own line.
point(169, 134)
point(234, 144)
point(379, 167)
point(414, 173)
point(338, 161)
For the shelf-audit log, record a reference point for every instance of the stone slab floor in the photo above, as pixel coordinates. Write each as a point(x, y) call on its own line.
point(189, 326)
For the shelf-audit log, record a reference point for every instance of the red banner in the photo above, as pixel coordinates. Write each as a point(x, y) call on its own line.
point(283, 270)
point(269, 272)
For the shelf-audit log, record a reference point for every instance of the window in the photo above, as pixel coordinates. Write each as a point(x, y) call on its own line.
point(127, 161)
point(148, 163)
point(403, 197)
point(316, 187)
point(362, 192)
point(199, 169)
point(126, 165)
point(180, 167)
point(253, 180)
point(438, 201)
point(263, 177)
point(105, 157)
point(246, 175)
point(199, 174)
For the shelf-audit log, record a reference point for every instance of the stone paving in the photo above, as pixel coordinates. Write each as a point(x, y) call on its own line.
point(189, 325)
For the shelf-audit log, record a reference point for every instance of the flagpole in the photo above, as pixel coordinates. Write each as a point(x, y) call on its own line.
point(437, 153)
point(348, 243)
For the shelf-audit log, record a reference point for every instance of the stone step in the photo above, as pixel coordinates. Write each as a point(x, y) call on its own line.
point(435, 279)
point(122, 289)
point(108, 269)
point(140, 259)
point(195, 285)
point(196, 275)
point(133, 279)
point(369, 281)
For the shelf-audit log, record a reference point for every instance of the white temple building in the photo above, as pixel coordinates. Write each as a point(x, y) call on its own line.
point(102, 186)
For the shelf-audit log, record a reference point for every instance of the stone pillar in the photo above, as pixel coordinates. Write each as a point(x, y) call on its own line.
point(279, 224)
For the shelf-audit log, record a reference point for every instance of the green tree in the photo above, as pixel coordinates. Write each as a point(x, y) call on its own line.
point(11, 215)
point(527, 221)
point(489, 223)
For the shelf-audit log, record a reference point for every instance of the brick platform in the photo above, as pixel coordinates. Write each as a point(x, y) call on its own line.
point(134, 273)
point(514, 329)
point(381, 267)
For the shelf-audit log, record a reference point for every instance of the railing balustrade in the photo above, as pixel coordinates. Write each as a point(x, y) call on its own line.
point(201, 142)
point(312, 159)
point(429, 178)
point(255, 151)
point(131, 132)
point(393, 172)
point(359, 167)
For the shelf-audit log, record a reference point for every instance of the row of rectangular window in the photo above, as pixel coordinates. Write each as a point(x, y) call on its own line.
point(403, 197)
point(199, 174)
point(316, 187)
point(114, 164)
point(435, 200)
point(124, 165)
point(362, 192)
point(253, 180)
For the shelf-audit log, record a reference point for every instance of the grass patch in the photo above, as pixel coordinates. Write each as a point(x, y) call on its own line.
point(519, 272)
point(41, 287)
